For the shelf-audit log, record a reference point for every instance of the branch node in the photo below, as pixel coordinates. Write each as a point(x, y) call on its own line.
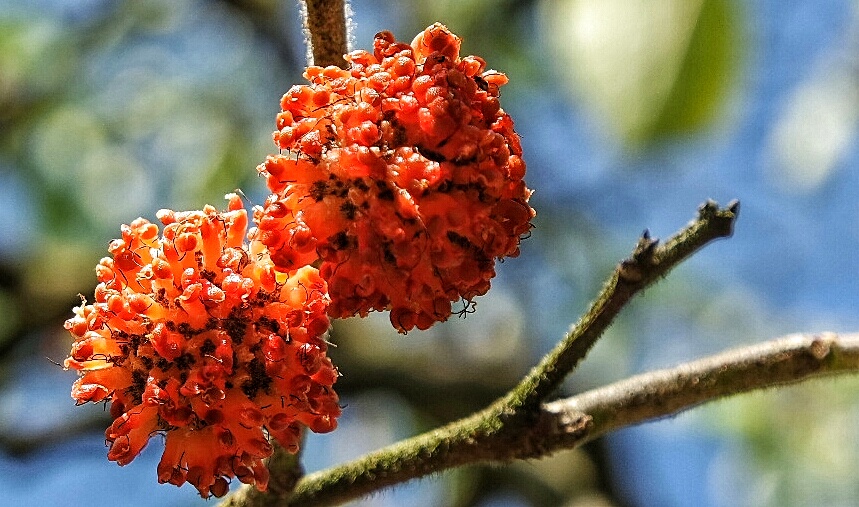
point(734, 207)
point(723, 219)
point(821, 346)
point(570, 423)
point(708, 209)
point(632, 270)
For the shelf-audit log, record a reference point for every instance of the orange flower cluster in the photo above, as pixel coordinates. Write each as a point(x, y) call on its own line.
point(402, 180)
point(401, 185)
point(194, 335)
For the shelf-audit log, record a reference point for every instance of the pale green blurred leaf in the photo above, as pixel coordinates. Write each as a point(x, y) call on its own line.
point(33, 58)
point(650, 68)
point(60, 269)
point(799, 441)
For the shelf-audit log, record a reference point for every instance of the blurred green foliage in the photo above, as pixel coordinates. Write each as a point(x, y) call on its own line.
point(654, 69)
point(109, 112)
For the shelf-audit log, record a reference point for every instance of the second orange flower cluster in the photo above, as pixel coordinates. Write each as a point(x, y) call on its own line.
point(195, 336)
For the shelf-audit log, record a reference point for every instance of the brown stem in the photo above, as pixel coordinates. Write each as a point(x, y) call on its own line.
point(326, 26)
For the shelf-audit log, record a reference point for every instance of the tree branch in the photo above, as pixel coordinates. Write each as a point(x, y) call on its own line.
point(514, 427)
point(325, 25)
point(569, 423)
point(648, 263)
point(663, 393)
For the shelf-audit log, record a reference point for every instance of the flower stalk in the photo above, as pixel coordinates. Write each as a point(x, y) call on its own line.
point(326, 31)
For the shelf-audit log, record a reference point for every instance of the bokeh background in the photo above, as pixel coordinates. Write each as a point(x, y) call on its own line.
point(632, 113)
